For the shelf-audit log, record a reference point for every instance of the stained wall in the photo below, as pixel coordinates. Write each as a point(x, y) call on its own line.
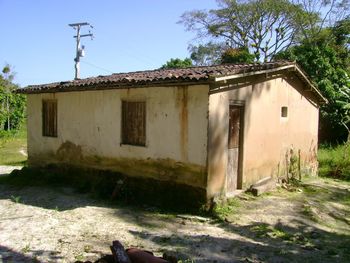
point(89, 132)
point(267, 137)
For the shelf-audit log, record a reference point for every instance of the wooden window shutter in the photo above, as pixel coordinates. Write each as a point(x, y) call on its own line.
point(49, 118)
point(134, 123)
point(234, 127)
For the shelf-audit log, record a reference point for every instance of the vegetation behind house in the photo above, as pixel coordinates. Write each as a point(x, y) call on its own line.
point(334, 161)
point(12, 105)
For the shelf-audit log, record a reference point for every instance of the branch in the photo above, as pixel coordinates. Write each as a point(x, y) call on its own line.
point(327, 14)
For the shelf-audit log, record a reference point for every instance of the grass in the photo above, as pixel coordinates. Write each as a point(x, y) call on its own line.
point(11, 143)
point(264, 230)
point(334, 161)
point(222, 210)
point(16, 199)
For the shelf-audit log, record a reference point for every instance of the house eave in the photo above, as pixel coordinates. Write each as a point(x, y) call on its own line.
point(111, 86)
point(293, 67)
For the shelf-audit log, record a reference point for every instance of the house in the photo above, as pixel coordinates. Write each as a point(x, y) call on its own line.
point(214, 128)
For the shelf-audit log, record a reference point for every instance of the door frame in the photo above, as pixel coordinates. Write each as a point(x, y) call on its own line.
point(241, 105)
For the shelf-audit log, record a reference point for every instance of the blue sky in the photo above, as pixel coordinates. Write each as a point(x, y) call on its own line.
point(129, 36)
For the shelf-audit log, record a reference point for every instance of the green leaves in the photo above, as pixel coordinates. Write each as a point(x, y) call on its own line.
point(237, 55)
point(177, 63)
point(12, 105)
point(249, 24)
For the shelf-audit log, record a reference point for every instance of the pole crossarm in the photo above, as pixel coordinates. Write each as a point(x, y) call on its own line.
point(79, 24)
point(86, 35)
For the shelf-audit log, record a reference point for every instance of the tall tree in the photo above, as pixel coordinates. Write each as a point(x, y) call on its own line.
point(264, 27)
point(328, 13)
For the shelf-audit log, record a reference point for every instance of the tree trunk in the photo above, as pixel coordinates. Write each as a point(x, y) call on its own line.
point(8, 113)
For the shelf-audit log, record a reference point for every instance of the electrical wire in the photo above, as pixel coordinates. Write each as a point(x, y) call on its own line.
point(95, 66)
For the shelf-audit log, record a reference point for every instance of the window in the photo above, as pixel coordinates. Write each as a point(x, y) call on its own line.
point(49, 112)
point(284, 112)
point(134, 123)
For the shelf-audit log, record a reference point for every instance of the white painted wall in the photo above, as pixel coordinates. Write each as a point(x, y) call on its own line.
point(92, 120)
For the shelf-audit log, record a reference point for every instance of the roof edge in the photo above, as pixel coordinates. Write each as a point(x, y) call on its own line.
point(295, 67)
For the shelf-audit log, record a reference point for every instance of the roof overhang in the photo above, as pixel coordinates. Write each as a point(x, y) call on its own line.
point(292, 67)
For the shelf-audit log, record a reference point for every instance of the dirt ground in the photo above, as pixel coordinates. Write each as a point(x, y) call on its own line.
point(309, 224)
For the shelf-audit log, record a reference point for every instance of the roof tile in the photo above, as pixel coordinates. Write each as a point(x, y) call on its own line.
point(149, 77)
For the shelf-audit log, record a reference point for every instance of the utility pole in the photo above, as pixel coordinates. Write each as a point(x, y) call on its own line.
point(79, 50)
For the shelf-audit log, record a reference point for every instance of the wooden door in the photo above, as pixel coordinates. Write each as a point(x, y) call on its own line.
point(234, 138)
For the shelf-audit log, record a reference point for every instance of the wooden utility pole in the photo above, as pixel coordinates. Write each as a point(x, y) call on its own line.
point(79, 50)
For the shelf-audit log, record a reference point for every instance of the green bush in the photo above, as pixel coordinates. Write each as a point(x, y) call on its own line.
point(334, 161)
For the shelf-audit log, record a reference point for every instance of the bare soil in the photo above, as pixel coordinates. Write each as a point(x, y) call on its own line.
point(309, 224)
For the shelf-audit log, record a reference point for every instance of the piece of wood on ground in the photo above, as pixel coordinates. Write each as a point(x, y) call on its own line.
point(119, 253)
point(141, 256)
point(263, 185)
point(194, 218)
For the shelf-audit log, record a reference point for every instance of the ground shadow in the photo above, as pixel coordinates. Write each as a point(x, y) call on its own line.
point(256, 243)
point(27, 256)
point(58, 198)
point(299, 241)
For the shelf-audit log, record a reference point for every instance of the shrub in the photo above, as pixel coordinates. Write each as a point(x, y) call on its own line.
point(334, 161)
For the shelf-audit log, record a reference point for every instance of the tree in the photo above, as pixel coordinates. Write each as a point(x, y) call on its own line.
point(12, 105)
point(328, 13)
point(264, 27)
point(206, 55)
point(237, 55)
point(177, 63)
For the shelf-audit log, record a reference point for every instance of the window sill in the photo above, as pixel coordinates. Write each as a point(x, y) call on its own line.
point(134, 145)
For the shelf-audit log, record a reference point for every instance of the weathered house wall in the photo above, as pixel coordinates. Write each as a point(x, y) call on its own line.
point(89, 132)
point(267, 136)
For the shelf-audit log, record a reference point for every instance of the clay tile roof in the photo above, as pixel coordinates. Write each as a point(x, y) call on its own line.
point(158, 77)
point(173, 77)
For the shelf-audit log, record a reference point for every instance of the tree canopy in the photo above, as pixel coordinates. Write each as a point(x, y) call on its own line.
point(12, 105)
point(263, 27)
point(177, 63)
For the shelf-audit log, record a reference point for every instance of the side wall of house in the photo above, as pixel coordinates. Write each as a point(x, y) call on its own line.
point(89, 132)
point(267, 137)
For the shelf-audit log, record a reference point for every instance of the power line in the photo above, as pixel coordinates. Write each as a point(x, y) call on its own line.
point(93, 65)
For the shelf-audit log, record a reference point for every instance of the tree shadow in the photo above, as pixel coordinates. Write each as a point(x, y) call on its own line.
point(298, 241)
point(30, 256)
point(255, 242)
point(58, 198)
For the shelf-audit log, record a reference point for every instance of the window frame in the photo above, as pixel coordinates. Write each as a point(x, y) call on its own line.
point(49, 117)
point(129, 110)
point(284, 112)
